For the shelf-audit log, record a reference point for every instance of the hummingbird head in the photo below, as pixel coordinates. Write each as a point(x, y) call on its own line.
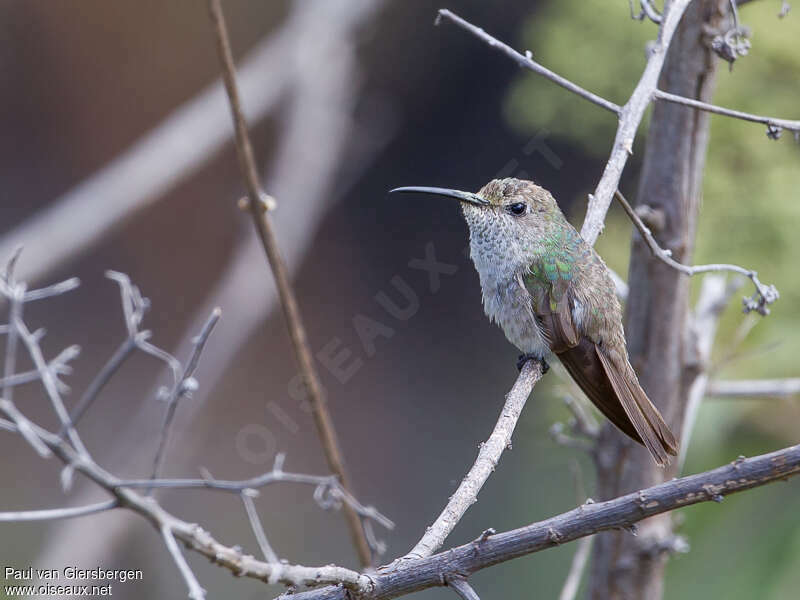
point(508, 220)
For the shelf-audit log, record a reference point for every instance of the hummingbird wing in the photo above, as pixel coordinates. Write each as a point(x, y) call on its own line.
point(609, 382)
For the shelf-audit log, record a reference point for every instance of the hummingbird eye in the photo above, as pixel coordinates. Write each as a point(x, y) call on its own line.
point(517, 209)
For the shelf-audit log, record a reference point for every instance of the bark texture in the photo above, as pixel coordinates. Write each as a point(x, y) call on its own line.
point(626, 566)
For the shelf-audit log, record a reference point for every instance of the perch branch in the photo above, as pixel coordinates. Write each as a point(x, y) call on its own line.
point(764, 295)
point(297, 333)
point(587, 519)
point(488, 457)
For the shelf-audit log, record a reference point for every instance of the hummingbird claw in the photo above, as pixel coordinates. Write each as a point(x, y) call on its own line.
point(523, 358)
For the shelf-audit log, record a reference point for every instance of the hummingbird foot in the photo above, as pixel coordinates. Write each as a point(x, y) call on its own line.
point(523, 358)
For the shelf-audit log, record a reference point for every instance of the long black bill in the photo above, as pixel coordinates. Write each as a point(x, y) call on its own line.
point(463, 196)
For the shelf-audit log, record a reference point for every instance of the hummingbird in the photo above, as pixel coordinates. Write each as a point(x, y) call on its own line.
point(549, 291)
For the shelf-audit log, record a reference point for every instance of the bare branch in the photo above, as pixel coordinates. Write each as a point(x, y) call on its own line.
point(630, 115)
point(98, 383)
point(327, 489)
point(488, 457)
point(196, 592)
point(58, 366)
point(587, 519)
point(294, 322)
point(20, 423)
point(58, 513)
point(49, 381)
point(629, 120)
point(15, 295)
point(774, 126)
point(462, 587)
point(247, 496)
point(53, 290)
point(183, 387)
point(193, 536)
point(764, 295)
point(747, 388)
point(527, 61)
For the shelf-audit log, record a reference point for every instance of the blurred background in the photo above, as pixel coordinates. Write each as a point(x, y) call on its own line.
point(116, 153)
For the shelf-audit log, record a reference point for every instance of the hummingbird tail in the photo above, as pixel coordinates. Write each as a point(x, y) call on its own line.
point(647, 421)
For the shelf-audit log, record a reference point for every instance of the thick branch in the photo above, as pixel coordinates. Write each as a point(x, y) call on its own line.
point(590, 518)
point(297, 333)
point(488, 457)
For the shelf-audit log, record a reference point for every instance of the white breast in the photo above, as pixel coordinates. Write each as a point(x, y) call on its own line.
point(508, 303)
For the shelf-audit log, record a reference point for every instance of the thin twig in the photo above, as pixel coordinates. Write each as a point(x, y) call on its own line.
point(488, 457)
point(327, 487)
point(462, 587)
point(57, 365)
point(53, 290)
point(99, 382)
point(294, 322)
point(20, 423)
point(58, 513)
point(749, 388)
point(196, 538)
point(255, 523)
point(773, 124)
point(184, 387)
point(15, 296)
point(765, 294)
point(49, 382)
point(587, 519)
point(527, 61)
point(630, 115)
point(196, 592)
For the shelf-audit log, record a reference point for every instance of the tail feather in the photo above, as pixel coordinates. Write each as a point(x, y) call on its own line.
point(648, 422)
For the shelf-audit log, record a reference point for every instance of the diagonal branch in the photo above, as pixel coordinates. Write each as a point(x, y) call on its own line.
point(297, 333)
point(764, 295)
point(488, 457)
point(774, 126)
point(183, 387)
point(527, 62)
point(587, 519)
